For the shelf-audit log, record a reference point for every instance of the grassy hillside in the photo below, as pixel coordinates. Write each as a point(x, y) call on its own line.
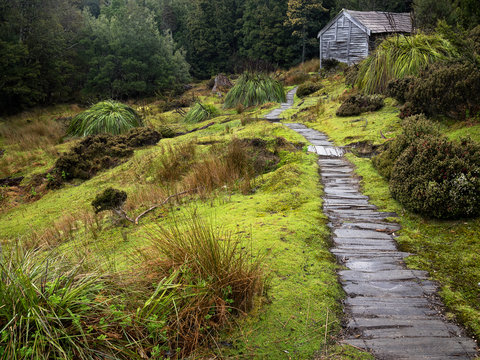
point(273, 215)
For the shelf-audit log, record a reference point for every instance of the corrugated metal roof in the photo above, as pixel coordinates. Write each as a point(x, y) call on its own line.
point(383, 22)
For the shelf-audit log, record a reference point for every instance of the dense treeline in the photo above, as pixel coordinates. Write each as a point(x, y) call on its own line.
point(84, 50)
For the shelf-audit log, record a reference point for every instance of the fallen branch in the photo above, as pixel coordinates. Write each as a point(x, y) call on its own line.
point(123, 214)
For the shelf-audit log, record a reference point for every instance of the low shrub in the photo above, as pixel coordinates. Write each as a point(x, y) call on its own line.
point(438, 178)
point(448, 89)
point(329, 64)
point(201, 112)
point(106, 117)
point(253, 89)
point(399, 88)
point(308, 88)
point(109, 199)
point(98, 152)
point(414, 128)
point(357, 104)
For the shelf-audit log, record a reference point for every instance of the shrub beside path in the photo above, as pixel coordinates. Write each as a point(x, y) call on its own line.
point(392, 311)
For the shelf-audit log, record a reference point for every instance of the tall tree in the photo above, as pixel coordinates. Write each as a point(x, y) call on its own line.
point(128, 56)
point(263, 35)
point(304, 16)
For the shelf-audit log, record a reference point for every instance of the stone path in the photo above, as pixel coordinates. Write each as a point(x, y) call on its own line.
point(392, 311)
point(274, 115)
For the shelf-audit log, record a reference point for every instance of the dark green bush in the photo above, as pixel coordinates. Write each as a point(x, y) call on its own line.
point(98, 152)
point(329, 64)
point(109, 199)
point(398, 88)
point(448, 89)
point(308, 88)
point(438, 178)
point(357, 104)
point(414, 128)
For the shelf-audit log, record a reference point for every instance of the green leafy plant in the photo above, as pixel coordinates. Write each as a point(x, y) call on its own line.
point(201, 112)
point(253, 89)
point(399, 56)
point(450, 89)
point(109, 116)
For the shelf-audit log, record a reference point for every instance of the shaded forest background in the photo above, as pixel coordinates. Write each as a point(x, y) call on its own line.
point(56, 51)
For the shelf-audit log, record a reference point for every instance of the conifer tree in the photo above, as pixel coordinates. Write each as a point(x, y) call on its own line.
point(304, 16)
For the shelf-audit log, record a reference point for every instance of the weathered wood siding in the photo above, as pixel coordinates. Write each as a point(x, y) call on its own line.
point(344, 41)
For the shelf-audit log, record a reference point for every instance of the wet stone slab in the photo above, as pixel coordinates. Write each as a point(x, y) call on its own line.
point(389, 308)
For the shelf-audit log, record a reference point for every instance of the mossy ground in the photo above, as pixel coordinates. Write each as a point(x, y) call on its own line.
point(448, 250)
point(299, 315)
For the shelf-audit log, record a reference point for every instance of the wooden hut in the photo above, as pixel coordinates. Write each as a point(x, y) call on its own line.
point(351, 35)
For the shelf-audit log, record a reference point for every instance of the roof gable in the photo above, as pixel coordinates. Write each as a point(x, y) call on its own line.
point(383, 22)
point(375, 22)
point(335, 19)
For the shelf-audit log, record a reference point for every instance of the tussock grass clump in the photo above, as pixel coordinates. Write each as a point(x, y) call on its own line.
point(399, 56)
point(201, 112)
point(253, 89)
point(106, 117)
point(227, 278)
point(47, 308)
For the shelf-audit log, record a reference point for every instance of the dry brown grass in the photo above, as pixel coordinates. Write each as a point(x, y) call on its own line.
point(223, 168)
point(226, 277)
point(174, 162)
point(62, 230)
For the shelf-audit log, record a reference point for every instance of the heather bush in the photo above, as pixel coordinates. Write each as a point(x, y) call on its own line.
point(357, 104)
point(398, 88)
point(308, 88)
point(438, 178)
point(448, 89)
point(414, 128)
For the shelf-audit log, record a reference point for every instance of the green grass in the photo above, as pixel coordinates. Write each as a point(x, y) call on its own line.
point(201, 112)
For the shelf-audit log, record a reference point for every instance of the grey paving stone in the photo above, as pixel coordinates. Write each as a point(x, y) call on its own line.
point(391, 314)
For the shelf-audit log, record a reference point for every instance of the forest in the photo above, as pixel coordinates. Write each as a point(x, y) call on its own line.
point(58, 51)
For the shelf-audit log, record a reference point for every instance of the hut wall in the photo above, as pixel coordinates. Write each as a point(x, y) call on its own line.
point(344, 41)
